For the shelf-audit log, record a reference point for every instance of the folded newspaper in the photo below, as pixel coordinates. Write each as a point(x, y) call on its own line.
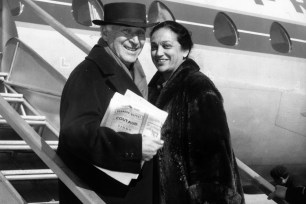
point(132, 114)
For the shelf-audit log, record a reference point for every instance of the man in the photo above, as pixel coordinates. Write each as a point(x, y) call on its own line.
point(281, 176)
point(110, 67)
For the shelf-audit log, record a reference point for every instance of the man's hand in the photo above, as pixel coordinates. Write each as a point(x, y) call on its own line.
point(150, 145)
point(279, 192)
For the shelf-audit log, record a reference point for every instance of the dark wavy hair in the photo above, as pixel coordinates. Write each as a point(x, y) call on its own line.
point(183, 35)
point(279, 171)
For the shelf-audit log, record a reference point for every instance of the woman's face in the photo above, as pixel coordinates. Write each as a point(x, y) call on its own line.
point(166, 51)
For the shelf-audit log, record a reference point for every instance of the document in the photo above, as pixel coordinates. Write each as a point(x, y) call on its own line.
point(132, 114)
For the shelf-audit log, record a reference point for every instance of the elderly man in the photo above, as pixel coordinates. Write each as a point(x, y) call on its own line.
point(110, 67)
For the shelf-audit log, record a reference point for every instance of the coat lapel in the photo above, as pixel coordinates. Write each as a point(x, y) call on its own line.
point(115, 77)
point(175, 83)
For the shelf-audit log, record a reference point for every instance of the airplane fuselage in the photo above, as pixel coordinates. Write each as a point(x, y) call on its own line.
point(253, 50)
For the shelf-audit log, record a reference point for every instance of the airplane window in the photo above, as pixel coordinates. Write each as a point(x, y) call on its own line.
point(159, 12)
point(16, 7)
point(225, 30)
point(280, 39)
point(84, 11)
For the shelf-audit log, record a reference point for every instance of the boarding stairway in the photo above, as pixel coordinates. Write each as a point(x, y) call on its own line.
point(20, 167)
point(30, 91)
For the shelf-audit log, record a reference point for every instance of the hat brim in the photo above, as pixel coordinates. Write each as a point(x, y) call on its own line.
point(130, 24)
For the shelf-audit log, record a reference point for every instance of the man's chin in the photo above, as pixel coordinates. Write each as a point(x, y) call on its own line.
point(130, 59)
point(128, 62)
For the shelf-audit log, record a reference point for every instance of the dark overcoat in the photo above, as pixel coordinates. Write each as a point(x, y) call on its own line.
point(197, 161)
point(83, 143)
point(296, 195)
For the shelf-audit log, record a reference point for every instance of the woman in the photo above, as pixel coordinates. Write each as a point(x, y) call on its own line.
point(196, 164)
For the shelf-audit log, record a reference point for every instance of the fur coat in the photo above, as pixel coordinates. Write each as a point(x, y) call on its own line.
point(197, 163)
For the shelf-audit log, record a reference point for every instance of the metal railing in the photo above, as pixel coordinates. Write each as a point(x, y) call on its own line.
point(47, 154)
point(58, 26)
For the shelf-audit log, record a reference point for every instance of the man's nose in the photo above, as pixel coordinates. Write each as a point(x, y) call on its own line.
point(135, 40)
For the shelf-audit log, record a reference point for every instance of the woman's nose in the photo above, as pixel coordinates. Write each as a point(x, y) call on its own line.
point(159, 51)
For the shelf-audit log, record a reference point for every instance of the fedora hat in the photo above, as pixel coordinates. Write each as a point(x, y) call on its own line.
point(126, 14)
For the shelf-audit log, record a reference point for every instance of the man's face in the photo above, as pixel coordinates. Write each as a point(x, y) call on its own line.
point(125, 42)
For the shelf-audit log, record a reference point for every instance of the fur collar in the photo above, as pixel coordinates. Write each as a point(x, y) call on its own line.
point(175, 82)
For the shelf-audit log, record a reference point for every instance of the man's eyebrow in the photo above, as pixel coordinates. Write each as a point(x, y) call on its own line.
point(166, 41)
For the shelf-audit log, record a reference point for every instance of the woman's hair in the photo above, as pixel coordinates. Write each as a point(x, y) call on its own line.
point(279, 171)
point(183, 35)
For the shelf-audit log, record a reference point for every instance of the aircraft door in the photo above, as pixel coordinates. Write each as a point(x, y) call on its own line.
point(159, 12)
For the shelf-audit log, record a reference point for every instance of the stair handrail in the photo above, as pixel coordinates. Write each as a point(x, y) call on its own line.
point(58, 26)
point(265, 186)
point(47, 155)
point(14, 195)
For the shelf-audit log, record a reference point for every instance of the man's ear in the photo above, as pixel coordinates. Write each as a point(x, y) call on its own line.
point(186, 53)
point(104, 33)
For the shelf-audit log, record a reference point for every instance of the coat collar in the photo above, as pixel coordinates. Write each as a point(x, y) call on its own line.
point(117, 78)
point(175, 82)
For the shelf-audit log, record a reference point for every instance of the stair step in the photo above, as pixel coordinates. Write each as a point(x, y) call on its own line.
point(12, 99)
point(22, 145)
point(3, 75)
point(30, 119)
point(11, 95)
point(30, 174)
